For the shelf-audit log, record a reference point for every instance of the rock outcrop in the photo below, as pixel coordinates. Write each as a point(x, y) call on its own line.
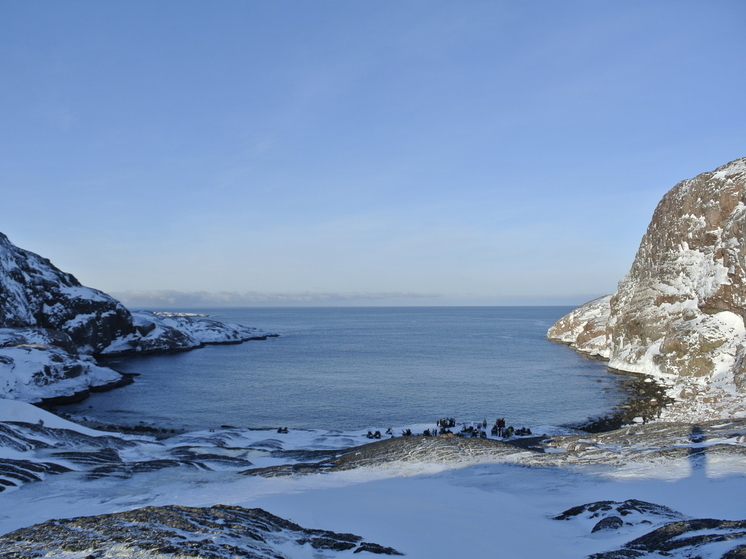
point(36, 294)
point(38, 364)
point(157, 332)
point(217, 532)
point(52, 327)
point(701, 537)
point(584, 329)
point(674, 535)
point(678, 314)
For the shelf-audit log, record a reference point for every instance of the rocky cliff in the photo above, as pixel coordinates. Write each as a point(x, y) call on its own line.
point(52, 327)
point(679, 313)
point(34, 293)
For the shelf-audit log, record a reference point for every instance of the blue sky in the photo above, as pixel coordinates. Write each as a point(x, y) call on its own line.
point(379, 152)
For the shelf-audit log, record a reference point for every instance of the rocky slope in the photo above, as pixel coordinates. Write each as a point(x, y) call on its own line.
point(52, 327)
point(218, 532)
point(679, 313)
point(34, 293)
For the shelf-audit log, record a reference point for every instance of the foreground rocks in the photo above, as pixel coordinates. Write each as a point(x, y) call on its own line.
point(35, 453)
point(218, 532)
point(674, 535)
point(679, 313)
point(702, 537)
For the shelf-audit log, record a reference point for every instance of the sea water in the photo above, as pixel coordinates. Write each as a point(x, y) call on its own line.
point(366, 367)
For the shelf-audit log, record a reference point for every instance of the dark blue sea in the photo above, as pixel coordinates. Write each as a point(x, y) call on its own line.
point(366, 367)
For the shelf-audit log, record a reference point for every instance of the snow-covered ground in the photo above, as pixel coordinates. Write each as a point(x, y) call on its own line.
point(477, 505)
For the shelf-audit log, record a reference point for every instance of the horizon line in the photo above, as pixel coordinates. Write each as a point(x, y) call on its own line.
point(203, 299)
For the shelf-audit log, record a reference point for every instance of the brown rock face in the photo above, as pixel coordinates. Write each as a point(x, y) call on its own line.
point(679, 312)
point(689, 268)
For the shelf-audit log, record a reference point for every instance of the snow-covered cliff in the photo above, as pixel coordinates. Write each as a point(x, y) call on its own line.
point(52, 327)
point(34, 293)
point(679, 313)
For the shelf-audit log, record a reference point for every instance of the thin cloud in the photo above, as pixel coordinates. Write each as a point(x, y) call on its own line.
point(181, 299)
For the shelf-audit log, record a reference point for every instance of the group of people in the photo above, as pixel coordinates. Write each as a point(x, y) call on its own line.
point(444, 428)
point(445, 425)
point(446, 422)
point(475, 430)
point(499, 429)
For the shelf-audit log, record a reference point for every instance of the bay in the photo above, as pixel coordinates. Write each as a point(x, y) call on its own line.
point(366, 367)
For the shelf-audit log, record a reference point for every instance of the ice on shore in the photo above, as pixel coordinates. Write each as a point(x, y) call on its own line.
point(485, 505)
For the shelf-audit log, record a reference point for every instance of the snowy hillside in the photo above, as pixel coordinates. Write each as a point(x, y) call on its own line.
point(679, 313)
point(51, 329)
point(34, 293)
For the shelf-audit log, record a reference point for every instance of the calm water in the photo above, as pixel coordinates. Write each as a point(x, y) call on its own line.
point(348, 368)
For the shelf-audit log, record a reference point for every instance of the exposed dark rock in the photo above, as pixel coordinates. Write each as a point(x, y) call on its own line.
point(99, 456)
point(609, 509)
point(190, 454)
point(33, 433)
point(218, 532)
point(646, 400)
point(375, 548)
point(126, 378)
point(52, 450)
point(674, 536)
point(35, 293)
point(608, 523)
point(704, 537)
point(17, 472)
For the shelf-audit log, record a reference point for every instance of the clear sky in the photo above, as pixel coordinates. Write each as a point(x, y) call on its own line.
point(347, 152)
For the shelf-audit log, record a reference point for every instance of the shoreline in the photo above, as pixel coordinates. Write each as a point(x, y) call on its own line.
point(645, 403)
point(646, 399)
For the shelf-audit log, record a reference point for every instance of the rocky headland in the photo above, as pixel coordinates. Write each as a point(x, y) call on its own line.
point(52, 328)
point(678, 315)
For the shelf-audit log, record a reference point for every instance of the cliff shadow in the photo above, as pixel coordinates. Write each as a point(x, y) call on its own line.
point(697, 454)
